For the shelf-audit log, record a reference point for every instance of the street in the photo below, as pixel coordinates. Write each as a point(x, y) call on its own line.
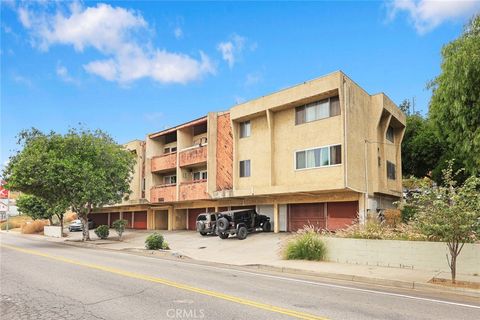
point(45, 280)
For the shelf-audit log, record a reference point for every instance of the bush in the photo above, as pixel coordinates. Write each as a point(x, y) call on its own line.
point(375, 230)
point(70, 216)
point(119, 226)
point(408, 213)
point(3, 226)
point(154, 241)
point(306, 246)
point(35, 226)
point(102, 231)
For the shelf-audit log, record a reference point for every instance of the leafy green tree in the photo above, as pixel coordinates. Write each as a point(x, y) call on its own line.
point(455, 103)
point(422, 150)
point(34, 207)
point(84, 169)
point(119, 226)
point(450, 213)
point(405, 106)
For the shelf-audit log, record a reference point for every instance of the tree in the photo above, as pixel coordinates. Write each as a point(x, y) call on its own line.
point(450, 213)
point(84, 169)
point(119, 226)
point(34, 207)
point(422, 150)
point(455, 104)
point(405, 106)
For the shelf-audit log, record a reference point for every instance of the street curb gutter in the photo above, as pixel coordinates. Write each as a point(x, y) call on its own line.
point(370, 280)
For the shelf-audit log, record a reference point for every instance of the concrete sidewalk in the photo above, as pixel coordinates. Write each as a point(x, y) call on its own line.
point(263, 251)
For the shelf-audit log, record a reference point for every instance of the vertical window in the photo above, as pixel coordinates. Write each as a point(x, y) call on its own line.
point(170, 179)
point(300, 160)
point(334, 106)
point(245, 129)
point(335, 155)
point(200, 175)
point(300, 115)
point(390, 134)
point(245, 168)
point(391, 171)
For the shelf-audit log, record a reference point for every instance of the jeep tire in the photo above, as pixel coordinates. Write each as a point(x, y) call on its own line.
point(267, 227)
point(242, 233)
point(223, 235)
point(222, 224)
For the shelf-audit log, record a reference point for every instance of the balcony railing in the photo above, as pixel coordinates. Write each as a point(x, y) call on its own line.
point(193, 190)
point(193, 155)
point(163, 193)
point(164, 162)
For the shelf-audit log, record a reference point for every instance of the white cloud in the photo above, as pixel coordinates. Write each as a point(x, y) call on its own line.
point(427, 14)
point(232, 49)
point(22, 80)
point(253, 78)
point(116, 33)
point(63, 73)
point(178, 32)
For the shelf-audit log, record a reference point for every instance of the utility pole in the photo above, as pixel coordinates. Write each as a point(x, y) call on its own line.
point(413, 105)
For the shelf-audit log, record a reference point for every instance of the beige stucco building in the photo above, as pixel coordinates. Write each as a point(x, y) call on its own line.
point(324, 152)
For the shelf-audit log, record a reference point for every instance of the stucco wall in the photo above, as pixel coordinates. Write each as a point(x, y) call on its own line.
point(52, 231)
point(420, 255)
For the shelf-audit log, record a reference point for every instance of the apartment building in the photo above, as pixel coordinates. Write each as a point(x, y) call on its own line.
point(324, 153)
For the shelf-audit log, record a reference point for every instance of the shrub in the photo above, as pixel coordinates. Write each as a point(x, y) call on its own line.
point(70, 216)
point(119, 226)
point(375, 230)
point(35, 226)
point(306, 245)
point(408, 213)
point(154, 241)
point(4, 225)
point(102, 231)
point(165, 245)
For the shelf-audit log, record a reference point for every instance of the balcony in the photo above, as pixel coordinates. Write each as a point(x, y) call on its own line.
point(193, 190)
point(193, 155)
point(164, 162)
point(163, 193)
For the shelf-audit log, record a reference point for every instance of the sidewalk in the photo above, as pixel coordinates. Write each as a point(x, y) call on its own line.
point(262, 251)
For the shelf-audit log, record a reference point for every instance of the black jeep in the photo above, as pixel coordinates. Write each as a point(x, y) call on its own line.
point(241, 222)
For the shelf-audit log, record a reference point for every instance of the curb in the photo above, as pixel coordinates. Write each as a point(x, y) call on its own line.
point(376, 281)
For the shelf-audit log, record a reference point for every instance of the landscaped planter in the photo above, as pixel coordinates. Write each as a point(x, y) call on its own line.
point(421, 255)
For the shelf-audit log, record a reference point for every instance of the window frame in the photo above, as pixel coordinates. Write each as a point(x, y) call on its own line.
point(328, 147)
point(170, 177)
point(249, 168)
point(302, 109)
point(387, 135)
point(242, 127)
point(201, 173)
point(394, 166)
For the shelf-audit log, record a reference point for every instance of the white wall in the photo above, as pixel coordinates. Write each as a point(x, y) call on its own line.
point(52, 231)
point(268, 211)
point(282, 212)
point(420, 255)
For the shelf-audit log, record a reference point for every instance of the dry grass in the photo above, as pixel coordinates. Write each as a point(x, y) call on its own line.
point(70, 216)
point(34, 226)
point(15, 222)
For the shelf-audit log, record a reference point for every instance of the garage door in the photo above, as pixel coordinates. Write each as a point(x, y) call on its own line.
point(341, 214)
point(192, 217)
point(140, 221)
point(302, 214)
point(99, 218)
point(128, 216)
point(114, 216)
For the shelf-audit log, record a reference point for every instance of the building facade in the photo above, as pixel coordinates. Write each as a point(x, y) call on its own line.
point(322, 153)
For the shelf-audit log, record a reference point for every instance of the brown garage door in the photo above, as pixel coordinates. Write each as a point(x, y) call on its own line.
point(114, 216)
point(302, 214)
point(192, 217)
point(128, 216)
point(140, 221)
point(99, 218)
point(341, 214)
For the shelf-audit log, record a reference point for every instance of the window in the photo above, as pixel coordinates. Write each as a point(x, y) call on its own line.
point(170, 149)
point(245, 129)
point(245, 168)
point(390, 135)
point(200, 175)
point(317, 110)
point(170, 179)
point(318, 157)
point(391, 171)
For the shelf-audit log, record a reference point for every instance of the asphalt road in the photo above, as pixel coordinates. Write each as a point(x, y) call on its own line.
point(46, 280)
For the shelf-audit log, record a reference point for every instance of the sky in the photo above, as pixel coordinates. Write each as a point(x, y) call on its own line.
point(133, 68)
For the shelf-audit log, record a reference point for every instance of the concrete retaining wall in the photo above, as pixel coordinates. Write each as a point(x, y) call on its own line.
point(420, 255)
point(52, 231)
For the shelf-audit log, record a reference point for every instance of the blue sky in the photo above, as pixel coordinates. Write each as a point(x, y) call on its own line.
point(132, 68)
